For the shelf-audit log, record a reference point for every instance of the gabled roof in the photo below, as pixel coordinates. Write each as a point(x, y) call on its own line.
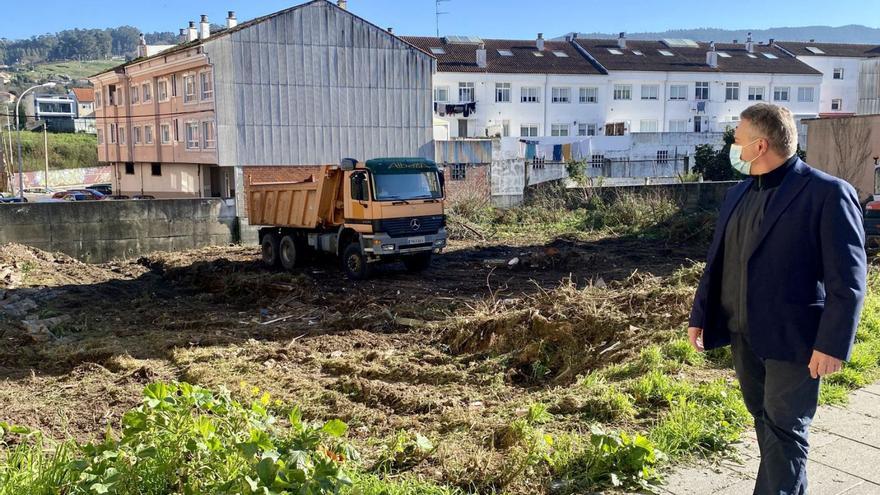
point(244, 25)
point(693, 58)
point(462, 57)
point(810, 49)
point(84, 95)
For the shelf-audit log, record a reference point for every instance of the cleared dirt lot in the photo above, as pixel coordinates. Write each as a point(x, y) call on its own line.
point(455, 353)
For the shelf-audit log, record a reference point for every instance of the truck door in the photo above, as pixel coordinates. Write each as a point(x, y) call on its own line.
point(358, 208)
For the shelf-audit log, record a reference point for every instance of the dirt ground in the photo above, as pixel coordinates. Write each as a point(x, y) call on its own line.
point(376, 354)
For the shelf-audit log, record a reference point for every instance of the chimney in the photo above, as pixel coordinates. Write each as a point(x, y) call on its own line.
point(481, 56)
point(812, 40)
point(574, 36)
point(735, 41)
point(539, 43)
point(204, 28)
point(568, 38)
point(231, 21)
point(712, 56)
point(142, 46)
point(343, 4)
point(390, 30)
point(621, 41)
point(191, 33)
point(181, 38)
point(771, 42)
point(750, 46)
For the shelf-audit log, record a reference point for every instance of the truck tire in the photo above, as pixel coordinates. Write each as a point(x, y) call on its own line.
point(287, 252)
point(417, 262)
point(354, 262)
point(269, 250)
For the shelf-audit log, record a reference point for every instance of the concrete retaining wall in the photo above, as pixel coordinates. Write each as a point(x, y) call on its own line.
point(99, 231)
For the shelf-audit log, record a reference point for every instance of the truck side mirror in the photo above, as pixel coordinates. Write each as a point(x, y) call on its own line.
point(348, 163)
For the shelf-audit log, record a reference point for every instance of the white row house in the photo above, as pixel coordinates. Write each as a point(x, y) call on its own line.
point(840, 65)
point(586, 87)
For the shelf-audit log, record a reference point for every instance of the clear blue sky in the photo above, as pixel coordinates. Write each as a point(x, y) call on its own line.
point(486, 18)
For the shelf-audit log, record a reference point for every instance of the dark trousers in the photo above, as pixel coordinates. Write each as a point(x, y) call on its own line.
point(782, 397)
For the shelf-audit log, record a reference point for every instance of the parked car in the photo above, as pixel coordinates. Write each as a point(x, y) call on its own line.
point(143, 196)
point(76, 196)
point(119, 196)
point(91, 193)
point(13, 199)
point(105, 189)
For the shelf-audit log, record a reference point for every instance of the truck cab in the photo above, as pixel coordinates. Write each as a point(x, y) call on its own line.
point(393, 211)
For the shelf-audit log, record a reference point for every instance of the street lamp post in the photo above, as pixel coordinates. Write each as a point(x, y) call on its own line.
point(20, 159)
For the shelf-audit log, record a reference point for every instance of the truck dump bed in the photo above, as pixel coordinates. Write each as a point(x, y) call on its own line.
point(309, 204)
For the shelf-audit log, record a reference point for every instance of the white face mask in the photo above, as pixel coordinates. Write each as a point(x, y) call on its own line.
point(736, 161)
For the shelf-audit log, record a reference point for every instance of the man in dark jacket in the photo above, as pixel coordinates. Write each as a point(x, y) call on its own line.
point(784, 285)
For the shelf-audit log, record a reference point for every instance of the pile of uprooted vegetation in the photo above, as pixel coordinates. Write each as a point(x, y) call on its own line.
point(561, 333)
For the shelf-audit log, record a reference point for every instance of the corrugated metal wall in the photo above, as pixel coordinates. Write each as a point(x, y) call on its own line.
point(315, 84)
point(869, 87)
point(462, 151)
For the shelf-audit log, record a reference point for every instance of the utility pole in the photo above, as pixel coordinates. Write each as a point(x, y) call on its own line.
point(46, 148)
point(437, 14)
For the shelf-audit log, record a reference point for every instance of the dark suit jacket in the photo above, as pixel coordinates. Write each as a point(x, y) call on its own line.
point(806, 273)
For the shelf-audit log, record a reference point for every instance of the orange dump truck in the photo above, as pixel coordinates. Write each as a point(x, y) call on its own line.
point(386, 209)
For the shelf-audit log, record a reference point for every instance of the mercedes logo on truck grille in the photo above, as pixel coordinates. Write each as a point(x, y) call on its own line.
point(414, 224)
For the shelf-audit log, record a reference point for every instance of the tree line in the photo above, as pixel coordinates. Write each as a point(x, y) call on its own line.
point(78, 44)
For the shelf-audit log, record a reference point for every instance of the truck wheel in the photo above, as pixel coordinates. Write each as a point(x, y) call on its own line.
point(354, 262)
point(269, 248)
point(287, 252)
point(417, 262)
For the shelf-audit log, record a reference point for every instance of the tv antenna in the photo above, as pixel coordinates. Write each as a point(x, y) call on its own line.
point(438, 13)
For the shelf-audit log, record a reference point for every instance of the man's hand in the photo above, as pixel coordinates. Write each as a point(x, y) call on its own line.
point(695, 335)
point(822, 364)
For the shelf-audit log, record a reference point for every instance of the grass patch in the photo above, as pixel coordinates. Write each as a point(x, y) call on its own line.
point(66, 150)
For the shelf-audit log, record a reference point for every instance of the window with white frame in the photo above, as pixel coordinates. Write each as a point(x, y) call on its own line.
point(162, 90)
point(465, 91)
point(582, 129)
point(678, 92)
point(561, 95)
point(588, 95)
point(701, 90)
point(528, 130)
point(662, 157)
point(650, 92)
point(165, 133)
point(148, 134)
point(559, 129)
point(731, 91)
point(837, 104)
point(648, 126)
point(100, 136)
point(112, 132)
point(136, 134)
point(756, 93)
point(592, 129)
point(780, 93)
point(206, 79)
point(189, 88)
point(530, 94)
point(505, 128)
point(502, 92)
point(678, 125)
point(147, 91)
point(441, 94)
point(838, 73)
point(208, 139)
point(805, 94)
point(192, 135)
point(623, 91)
point(121, 135)
point(133, 95)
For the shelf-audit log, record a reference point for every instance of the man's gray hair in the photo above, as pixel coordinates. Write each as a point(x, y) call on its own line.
point(774, 123)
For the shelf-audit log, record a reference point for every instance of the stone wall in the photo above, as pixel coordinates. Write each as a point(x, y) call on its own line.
point(100, 231)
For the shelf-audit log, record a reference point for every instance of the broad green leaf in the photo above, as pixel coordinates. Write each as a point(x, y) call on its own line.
point(335, 428)
point(267, 470)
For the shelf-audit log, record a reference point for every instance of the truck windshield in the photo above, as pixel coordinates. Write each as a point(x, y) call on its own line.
point(424, 185)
